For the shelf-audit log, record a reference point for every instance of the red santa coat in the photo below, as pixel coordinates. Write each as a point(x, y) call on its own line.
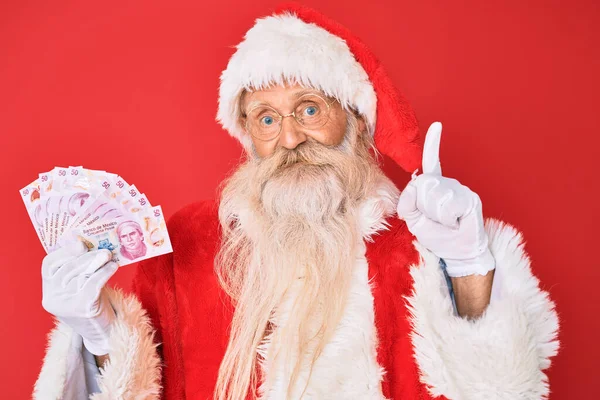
point(425, 349)
point(183, 297)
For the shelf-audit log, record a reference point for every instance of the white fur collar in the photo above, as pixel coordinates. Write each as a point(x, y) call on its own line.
point(375, 209)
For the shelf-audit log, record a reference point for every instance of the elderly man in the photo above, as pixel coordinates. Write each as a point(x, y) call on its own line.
point(303, 282)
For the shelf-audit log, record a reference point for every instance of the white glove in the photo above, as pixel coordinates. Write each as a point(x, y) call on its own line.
point(72, 282)
point(445, 216)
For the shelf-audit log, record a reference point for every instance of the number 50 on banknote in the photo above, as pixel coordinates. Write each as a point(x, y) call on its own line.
point(98, 208)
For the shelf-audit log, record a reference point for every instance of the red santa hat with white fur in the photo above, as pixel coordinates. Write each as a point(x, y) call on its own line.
point(298, 44)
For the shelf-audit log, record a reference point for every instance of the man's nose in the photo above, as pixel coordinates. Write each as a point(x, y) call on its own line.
point(292, 133)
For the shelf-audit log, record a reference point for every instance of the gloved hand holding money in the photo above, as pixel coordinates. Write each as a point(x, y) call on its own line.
point(73, 280)
point(90, 223)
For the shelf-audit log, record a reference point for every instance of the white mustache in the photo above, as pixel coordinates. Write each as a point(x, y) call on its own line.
point(307, 191)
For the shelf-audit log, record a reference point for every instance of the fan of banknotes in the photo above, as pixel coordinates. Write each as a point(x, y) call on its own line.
point(98, 208)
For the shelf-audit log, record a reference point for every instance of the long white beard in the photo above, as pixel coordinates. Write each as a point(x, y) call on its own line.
point(290, 232)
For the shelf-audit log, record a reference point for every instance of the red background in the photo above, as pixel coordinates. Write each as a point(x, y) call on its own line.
point(131, 87)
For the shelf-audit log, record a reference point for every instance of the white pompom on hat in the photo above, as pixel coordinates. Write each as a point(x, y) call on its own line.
point(298, 44)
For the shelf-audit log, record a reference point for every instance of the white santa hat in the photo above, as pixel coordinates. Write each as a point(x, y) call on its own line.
point(297, 44)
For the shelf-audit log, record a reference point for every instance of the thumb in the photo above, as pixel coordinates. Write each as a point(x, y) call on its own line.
point(407, 203)
point(99, 278)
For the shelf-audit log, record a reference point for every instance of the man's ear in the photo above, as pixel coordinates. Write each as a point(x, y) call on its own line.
point(362, 125)
point(242, 115)
point(242, 122)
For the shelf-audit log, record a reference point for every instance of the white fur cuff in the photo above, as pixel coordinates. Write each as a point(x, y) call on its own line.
point(133, 371)
point(502, 354)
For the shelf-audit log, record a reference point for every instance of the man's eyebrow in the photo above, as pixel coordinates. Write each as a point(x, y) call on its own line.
point(302, 92)
point(296, 95)
point(253, 104)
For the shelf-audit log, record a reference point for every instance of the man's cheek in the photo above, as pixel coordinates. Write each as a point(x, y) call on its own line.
point(334, 135)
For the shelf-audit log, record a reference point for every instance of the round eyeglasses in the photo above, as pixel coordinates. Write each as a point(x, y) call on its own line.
point(264, 122)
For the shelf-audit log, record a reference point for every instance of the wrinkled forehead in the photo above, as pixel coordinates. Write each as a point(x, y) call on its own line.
point(279, 96)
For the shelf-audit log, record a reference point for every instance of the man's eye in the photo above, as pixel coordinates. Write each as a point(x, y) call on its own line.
point(268, 120)
point(311, 111)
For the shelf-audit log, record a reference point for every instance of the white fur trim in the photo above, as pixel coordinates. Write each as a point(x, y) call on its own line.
point(347, 368)
point(373, 212)
point(502, 354)
point(133, 371)
point(60, 353)
point(284, 48)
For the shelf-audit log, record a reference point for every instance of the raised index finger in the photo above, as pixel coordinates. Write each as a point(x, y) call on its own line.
point(431, 150)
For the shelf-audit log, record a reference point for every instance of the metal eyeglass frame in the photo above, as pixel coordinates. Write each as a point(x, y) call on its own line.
point(292, 114)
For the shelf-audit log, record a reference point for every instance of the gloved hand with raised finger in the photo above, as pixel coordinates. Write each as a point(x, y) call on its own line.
point(72, 290)
point(446, 216)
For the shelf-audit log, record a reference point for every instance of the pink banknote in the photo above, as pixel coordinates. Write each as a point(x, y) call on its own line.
point(96, 207)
